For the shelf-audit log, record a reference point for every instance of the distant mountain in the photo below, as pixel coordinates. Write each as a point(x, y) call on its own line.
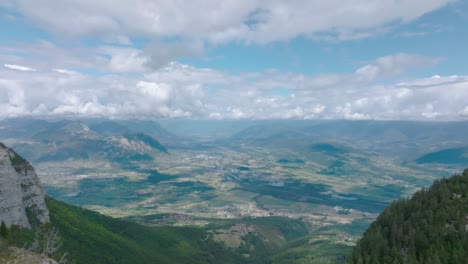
point(446, 156)
point(132, 147)
point(108, 128)
point(206, 129)
point(149, 127)
point(28, 127)
point(65, 130)
point(405, 139)
point(431, 227)
point(270, 135)
point(147, 140)
point(389, 131)
point(21, 127)
point(76, 140)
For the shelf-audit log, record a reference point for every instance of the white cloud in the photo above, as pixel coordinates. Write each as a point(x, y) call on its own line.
point(47, 55)
point(465, 111)
point(125, 59)
point(179, 90)
point(118, 79)
point(104, 59)
point(18, 67)
point(13, 97)
point(64, 71)
point(381, 68)
point(159, 92)
point(393, 65)
point(232, 20)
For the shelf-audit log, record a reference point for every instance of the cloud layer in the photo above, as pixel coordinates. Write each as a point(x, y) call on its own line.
point(119, 59)
point(256, 21)
point(183, 91)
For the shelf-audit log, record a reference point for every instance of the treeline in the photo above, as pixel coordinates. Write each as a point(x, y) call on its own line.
point(429, 228)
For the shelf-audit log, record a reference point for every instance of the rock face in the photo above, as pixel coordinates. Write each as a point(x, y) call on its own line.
point(21, 196)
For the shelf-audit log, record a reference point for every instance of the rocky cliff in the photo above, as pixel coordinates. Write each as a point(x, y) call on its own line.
point(21, 196)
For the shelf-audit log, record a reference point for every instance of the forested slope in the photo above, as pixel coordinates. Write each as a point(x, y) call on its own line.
point(430, 228)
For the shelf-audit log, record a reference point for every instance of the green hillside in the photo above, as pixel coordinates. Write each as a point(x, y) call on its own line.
point(431, 227)
point(90, 237)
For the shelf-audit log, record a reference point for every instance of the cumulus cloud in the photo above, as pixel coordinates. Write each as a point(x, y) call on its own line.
point(392, 65)
point(179, 90)
point(232, 20)
point(124, 60)
point(170, 30)
point(158, 92)
point(129, 68)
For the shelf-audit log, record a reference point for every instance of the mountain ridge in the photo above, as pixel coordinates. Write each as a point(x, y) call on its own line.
point(75, 139)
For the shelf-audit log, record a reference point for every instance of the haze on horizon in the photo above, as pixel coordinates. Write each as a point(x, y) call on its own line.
point(355, 60)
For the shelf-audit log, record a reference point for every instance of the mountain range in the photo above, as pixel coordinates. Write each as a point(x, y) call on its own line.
point(67, 139)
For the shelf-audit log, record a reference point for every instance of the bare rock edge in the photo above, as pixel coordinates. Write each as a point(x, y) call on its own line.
point(21, 196)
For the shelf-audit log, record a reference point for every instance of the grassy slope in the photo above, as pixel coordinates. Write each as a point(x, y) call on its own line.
point(90, 237)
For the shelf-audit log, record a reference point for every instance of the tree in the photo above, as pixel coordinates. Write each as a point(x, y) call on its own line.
point(48, 242)
point(3, 230)
point(429, 228)
point(51, 241)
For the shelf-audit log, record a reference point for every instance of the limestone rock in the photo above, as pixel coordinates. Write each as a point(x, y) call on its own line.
point(21, 196)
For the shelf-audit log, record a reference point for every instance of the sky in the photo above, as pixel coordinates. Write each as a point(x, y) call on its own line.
point(233, 59)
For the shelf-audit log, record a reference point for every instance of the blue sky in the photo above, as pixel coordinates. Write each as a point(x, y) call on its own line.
point(229, 59)
point(442, 33)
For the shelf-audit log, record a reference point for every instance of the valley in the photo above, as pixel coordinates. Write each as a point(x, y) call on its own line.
point(334, 185)
point(223, 183)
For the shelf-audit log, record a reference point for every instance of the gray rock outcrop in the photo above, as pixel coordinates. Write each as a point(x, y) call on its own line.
point(21, 196)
